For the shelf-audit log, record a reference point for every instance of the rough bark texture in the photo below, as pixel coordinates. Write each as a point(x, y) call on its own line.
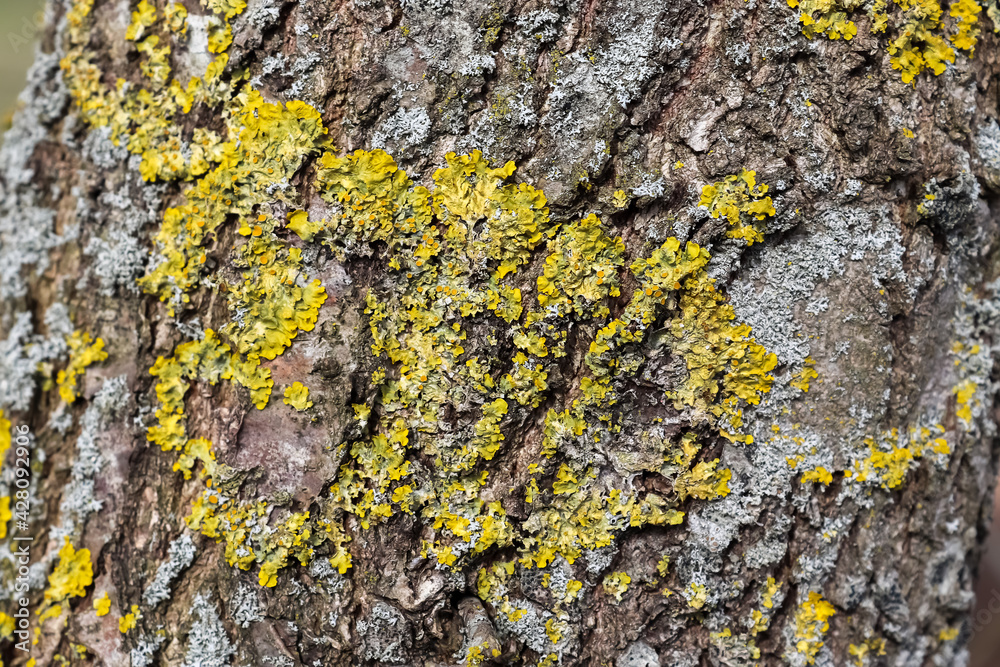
point(716, 423)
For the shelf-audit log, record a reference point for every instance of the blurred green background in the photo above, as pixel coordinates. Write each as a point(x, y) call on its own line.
point(18, 30)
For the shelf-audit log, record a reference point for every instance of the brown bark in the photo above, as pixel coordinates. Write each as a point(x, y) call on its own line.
point(877, 268)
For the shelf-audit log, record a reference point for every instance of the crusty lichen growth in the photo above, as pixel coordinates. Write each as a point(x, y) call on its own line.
point(865, 653)
point(128, 621)
point(428, 232)
point(455, 250)
point(269, 142)
point(892, 455)
point(5, 437)
point(917, 47)
point(616, 583)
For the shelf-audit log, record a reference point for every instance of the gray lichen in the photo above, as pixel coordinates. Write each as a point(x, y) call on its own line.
point(244, 608)
point(403, 130)
point(180, 555)
point(23, 353)
point(27, 231)
point(145, 649)
point(208, 643)
point(79, 499)
point(118, 255)
point(385, 635)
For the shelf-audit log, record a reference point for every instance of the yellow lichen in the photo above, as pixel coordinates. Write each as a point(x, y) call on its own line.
point(7, 625)
point(891, 455)
point(803, 377)
point(820, 475)
point(811, 624)
point(826, 17)
point(143, 17)
point(5, 515)
point(72, 575)
point(241, 527)
point(84, 351)
point(917, 47)
point(967, 14)
point(454, 251)
point(297, 396)
point(696, 595)
point(127, 622)
point(739, 199)
point(208, 359)
point(703, 481)
point(554, 630)
point(272, 141)
point(196, 449)
point(868, 650)
point(291, 538)
point(298, 222)
point(919, 43)
point(582, 269)
point(964, 394)
point(233, 175)
point(767, 596)
point(175, 15)
point(616, 583)
point(102, 605)
point(5, 437)
point(476, 656)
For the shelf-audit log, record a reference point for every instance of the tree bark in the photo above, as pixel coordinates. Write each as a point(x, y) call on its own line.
point(546, 333)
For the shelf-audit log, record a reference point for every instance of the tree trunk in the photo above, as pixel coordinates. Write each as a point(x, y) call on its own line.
point(585, 333)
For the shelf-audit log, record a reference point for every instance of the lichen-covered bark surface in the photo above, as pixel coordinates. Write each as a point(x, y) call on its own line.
point(546, 333)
